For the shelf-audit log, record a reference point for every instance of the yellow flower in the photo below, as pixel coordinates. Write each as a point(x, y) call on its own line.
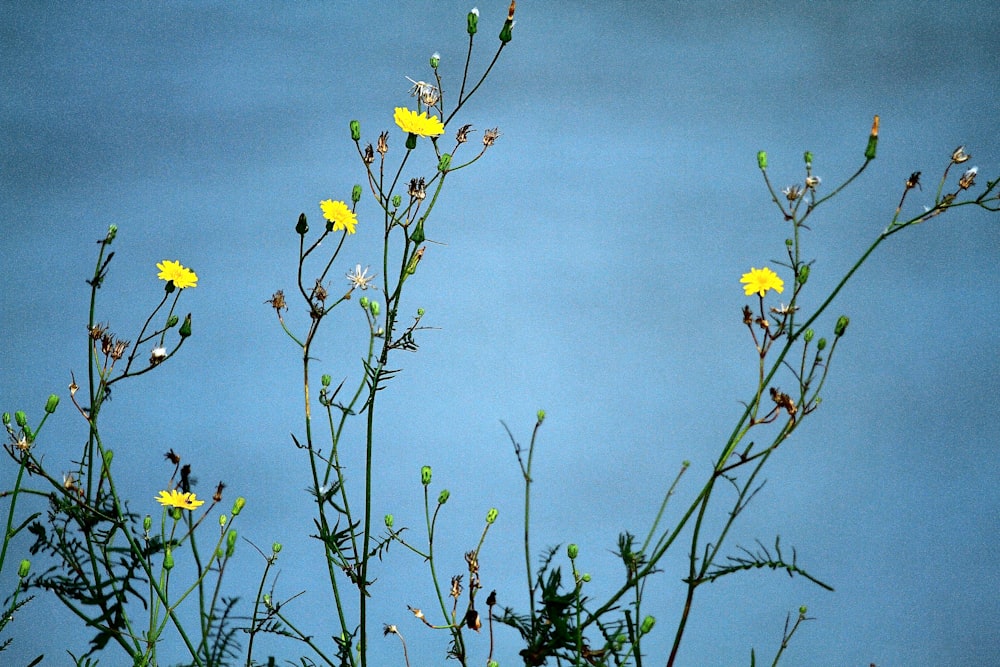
point(339, 214)
point(418, 124)
point(181, 276)
point(759, 281)
point(174, 498)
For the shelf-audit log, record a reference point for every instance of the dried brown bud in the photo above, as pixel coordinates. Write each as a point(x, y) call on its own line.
point(369, 155)
point(383, 143)
point(913, 181)
point(490, 136)
point(319, 292)
point(968, 178)
point(418, 188)
point(173, 457)
point(959, 155)
point(463, 134)
point(277, 301)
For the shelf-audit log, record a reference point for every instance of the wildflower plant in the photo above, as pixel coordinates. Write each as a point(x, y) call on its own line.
point(148, 572)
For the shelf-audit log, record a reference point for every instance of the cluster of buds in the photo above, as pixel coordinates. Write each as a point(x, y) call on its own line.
point(417, 188)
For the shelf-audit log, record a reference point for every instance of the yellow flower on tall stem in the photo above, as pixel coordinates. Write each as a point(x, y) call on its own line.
point(420, 124)
point(175, 498)
point(759, 281)
point(339, 214)
point(180, 276)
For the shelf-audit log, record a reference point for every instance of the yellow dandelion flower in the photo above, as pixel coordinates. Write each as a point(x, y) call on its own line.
point(339, 214)
point(420, 124)
point(759, 281)
point(174, 498)
point(180, 276)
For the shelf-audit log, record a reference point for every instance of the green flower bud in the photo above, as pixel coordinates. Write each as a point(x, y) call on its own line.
point(572, 551)
point(6, 419)
point(585, 578)
point(24, 568)
point(238, 505)
point(172, 321)
point(175, 513)
point(363, 302)
point(168, 560)
point(389, 520)
point(444, 163)
point(493, 663)
point(411, 141)
point(147, 523)
point(355, 130)
point(374, 308)
point(821, 344)
point(541, 416)
point(802, 610)
point(803, 274)
point(435, 60)
point(505, 31)
point(276, 548)
point(326, 380)
point(112, 233)
point(420, 312)
point(356, 193)
point(223, 520)
point(397, 201)
point(425, 475)
point(21, 418)
point(444, 496)
point(789, 243)
point(301, 227)
point(51, 403)
point(807, 335)
point(109, 456)
point(808, 158)
point(492, 515)
point(230, 543)
point(872, 141)
point(841, 326)
point(185, 329)
point(267, 600)
point(647, 625)
point(417, 237)
point(762, 159)
point(473, 21)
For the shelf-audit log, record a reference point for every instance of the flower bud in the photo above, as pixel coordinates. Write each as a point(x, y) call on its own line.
point(541, 416)
point(109, 456)
point(762, 159)
point(374, 308)
point(356, 193)
point(821, 344)
point(24, 568)
point(172, 321)
point(147, 523)
point(276, 548)
point(6, 419)
point(435, 60)
point(363, 302)
point(492, 515)
point(168, 559)
point(872, 141)
point(112, 233)
point(355, 130)
point(444, 496)
point(789, 243)
point(472, 21)
point(802, 610)
point(389, 520)
point(841, 325)
point(808, 158)
point(425, 475)
point(647, 625)
point(493, 663)
point(803, 274)
point(238, 505)
point(444, 163)
point(230, 543)
point(325, 380)
point(585, 578)
point(397, 201)
point(21, 418)
point(572, 551)
point(51, 403)
point(411, 141)
point(301, 227)
point(508, 25)
point(223, 520)
point(185, 329)
point(807, 335)
point(420, 312)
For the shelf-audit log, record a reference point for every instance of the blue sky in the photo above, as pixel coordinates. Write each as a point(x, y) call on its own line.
point(589, 266)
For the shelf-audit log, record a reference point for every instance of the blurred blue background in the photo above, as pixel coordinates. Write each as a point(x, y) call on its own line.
point(589, 265)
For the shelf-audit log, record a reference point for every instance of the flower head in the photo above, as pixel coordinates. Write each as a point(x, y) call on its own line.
point(759, 281)
point(180, 276)
point(968, 178)
point(426, 92)
point(420, 124)
point(339, 214)
point(360, 279)
point(174, 498)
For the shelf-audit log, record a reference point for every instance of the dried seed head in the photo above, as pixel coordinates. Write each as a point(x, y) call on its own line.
point(959, 155)
point(490, 136)
point(463, 133)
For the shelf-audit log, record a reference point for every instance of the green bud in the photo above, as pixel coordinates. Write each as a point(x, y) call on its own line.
point(325, 380)
point(20, 418)
point(762, 159)
point(821, 344)
point(872, 141)
point(389, 520)
point(223, 520)
point(172, 321)
point(435, 60)
point(492, 515)
point(301, 227)
point(356, 193)
point(444, 496)
point(808, 158)
point(147, 523)
point(585, 578)
point(802, 610)
point(420, 312)
point(417, 237)
point(185, 329)
point(425, 475)
point(807, 335)
point(411, 141)
point(363, 302)
point(109, 456)
point(112, 233)
point(803, 274)
point(541, 416)
point(6, 419)
point(355, 130)
point(789, 243)
point(397, 201)
point(572, 551)
point(168, 560)
point(374, 308)
point(276, 548)
point(51, 403)
point(24, 568)
point(176, 513)
point(267, 600)
point(444, 163)
point(230, 543)
point(238, 505)
point(841, 326)
point(647, 625)
point(473, 21)
point(493, 663)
